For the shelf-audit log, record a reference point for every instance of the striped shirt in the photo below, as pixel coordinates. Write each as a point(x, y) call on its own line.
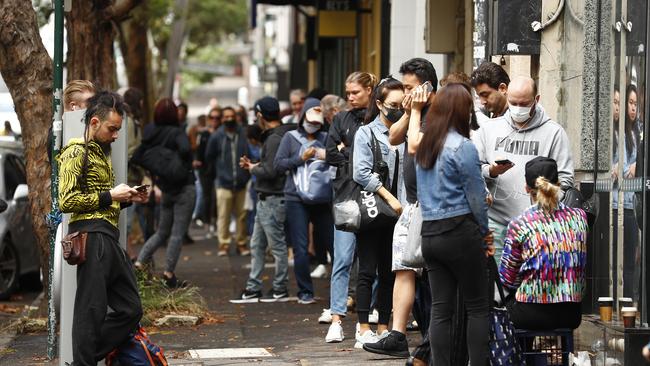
point(544, 255)
point(94, 202)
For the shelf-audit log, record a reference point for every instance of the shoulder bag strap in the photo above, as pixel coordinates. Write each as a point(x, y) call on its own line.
point(393, 188)
point(376, 151)
point(494, 272)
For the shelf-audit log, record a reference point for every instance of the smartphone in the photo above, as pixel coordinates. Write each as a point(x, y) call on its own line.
point(142, 188)
point(427, 86)
point(503, 162)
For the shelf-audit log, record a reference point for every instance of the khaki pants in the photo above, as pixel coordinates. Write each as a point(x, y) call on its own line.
point(231, 202)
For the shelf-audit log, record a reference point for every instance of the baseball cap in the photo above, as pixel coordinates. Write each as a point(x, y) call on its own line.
point(541, 167)
point(308, 111)
point(269, 108)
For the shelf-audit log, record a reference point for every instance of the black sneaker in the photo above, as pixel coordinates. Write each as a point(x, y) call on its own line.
point(394, 344)
point(174, 282)
point(276, 296)
point(247, 297)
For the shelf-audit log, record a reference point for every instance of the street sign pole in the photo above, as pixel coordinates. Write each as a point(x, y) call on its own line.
point(55, 215)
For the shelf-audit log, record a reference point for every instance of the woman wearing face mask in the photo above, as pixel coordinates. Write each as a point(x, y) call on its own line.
point(358, 87)
point(375, 247)
point(289, 157)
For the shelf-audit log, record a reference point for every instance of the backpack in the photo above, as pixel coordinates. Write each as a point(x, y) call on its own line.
point(161, 161)
point(137, 351)
point(313, 179)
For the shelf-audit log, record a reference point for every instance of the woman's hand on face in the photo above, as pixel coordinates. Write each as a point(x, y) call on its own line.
point(419, 98)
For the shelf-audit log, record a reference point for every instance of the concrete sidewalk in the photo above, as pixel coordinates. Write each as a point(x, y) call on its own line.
point(289, 331)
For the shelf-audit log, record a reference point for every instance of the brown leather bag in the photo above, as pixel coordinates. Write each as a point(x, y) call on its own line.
point(74, 247)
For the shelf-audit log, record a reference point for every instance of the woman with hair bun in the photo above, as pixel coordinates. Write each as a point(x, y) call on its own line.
point(544, 255)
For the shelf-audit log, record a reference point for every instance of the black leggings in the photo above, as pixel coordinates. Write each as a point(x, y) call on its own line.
point(375, 251)
point(533, 316)
point(456, 259)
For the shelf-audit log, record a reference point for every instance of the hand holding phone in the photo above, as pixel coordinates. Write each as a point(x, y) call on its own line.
point(141, 188)
point(503, 162)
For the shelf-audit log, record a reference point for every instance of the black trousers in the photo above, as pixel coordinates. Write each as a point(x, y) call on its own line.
point(533, 316)
point(209, 196)
point(456, 259)
point(375, 253)
point(105, 279)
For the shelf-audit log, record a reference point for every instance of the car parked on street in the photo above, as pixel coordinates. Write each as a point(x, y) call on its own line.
point(19, 254)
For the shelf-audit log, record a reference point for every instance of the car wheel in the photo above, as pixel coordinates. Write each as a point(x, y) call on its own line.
point(9, 270)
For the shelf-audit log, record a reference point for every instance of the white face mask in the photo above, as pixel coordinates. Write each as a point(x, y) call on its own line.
point(309, 128)
point(519, 114)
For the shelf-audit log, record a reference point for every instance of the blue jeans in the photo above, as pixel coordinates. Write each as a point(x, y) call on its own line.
point(301, 215)
point(198, 205)
point(344, 245)
point(499, 231)
point(269, 231)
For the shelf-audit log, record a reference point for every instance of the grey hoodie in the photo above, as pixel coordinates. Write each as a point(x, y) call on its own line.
point(500, 138)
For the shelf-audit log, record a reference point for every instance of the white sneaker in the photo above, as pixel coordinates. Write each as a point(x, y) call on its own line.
point(325, 317)
point(319, 272)
point(335, 333)
point(373, 318)
point(367, 337)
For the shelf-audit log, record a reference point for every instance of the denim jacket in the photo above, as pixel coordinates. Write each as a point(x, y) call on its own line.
point(362, 158)
point(454, 186)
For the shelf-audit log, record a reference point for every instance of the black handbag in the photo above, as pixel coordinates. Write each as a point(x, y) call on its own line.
point(356, 210)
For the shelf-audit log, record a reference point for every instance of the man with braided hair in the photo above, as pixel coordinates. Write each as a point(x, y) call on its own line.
point(87, 191)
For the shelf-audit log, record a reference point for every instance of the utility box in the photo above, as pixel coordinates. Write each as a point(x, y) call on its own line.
point(512, 33)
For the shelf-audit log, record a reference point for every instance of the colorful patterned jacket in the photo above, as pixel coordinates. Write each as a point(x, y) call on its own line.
point(545, 255)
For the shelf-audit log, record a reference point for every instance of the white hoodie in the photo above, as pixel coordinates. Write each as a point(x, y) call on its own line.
point(500, 138)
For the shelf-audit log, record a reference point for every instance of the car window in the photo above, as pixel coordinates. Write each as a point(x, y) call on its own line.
point(14, 174)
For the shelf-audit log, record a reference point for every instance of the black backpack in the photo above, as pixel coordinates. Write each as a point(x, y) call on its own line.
point(161, 161)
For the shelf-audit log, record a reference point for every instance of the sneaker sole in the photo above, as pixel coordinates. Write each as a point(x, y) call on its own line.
point(301, 302)
point(334, 340)
point(282, 299)
point(244, 301)
point(358, 345)
point(400, 354)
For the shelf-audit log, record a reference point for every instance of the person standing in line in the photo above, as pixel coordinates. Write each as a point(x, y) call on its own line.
point(490, 81)
point(548, 237)
point(375, 246)
point(415, 72)
point(358, 88)
point(106, 278)
point(226, 147)
point(290, 155)
point(206, 168)
point(194, 136)
point(182, 116)
point(524, 132)
point(268, 230)
point(297, 101)
point(455, 236)
point(178, 198)
point(75, 95)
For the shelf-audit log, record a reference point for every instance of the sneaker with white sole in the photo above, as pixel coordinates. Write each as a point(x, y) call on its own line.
point(367, 337)
point(373, 317)
point(335, 333)
point(247, 297)
point(276, 296)
point(319, 272)
point(325, 317)
point(306, 299)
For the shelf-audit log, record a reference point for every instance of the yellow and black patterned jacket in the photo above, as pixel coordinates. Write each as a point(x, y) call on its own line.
point(95, 201)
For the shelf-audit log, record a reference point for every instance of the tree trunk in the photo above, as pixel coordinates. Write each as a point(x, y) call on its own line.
point(134, 45)
point(26, 68)
point(90, 29)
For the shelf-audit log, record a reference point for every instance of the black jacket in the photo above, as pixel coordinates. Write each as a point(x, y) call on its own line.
point(267, 179)
point(177, 141)
point(344, 126)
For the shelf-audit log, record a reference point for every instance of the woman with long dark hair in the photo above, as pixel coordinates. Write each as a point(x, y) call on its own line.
point(177, 201)
point(455, 231)
point(630, 141)
point(374, 247)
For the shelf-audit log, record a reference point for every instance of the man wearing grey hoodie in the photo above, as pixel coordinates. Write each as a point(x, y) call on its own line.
point(524, 132)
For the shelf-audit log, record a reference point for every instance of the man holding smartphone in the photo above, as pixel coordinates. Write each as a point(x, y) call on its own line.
point(524, 132)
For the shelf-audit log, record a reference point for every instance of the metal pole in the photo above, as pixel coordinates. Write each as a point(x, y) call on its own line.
point(57, 126)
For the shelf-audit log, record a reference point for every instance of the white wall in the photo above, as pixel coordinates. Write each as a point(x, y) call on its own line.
point(408, 22)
